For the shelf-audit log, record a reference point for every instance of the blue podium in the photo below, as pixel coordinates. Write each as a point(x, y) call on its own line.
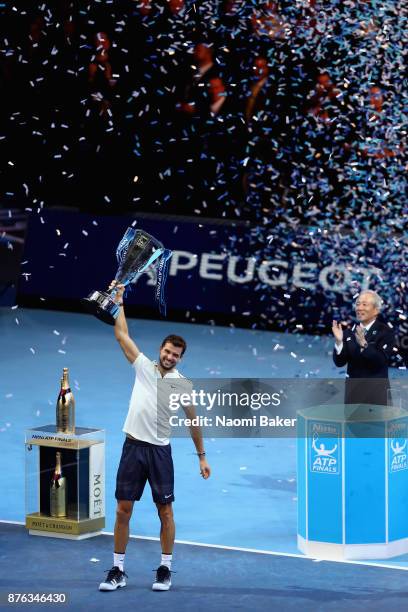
point(352, 472)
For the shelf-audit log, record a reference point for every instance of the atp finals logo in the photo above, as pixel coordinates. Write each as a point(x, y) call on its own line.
point(397, 446)
point(324, 448)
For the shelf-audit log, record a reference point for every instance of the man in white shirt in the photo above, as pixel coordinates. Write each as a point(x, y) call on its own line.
point(146, 454)
point(366, 350)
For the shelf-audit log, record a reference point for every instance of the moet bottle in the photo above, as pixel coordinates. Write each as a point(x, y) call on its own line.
point(65, 411)
point(58, 490)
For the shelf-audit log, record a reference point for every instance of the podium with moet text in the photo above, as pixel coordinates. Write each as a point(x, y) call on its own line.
point(83, 466)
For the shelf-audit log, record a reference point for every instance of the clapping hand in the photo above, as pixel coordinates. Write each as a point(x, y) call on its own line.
point(337, 332)
point(360, 337)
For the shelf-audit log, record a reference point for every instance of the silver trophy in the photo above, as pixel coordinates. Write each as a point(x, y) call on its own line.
point(136, 252)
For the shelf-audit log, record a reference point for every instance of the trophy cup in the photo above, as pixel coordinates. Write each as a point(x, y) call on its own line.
point(136, 252)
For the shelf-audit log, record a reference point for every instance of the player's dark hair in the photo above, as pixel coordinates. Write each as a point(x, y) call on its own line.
point(175, 341)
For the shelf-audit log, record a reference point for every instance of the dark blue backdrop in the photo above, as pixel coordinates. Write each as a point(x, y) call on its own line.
point(287, 278)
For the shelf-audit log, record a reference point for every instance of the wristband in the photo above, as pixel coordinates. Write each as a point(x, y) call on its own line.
point(201, 454)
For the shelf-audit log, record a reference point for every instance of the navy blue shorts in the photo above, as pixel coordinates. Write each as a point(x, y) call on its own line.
point(141, 461)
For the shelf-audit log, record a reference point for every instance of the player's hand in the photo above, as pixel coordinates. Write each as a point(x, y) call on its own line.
point(337, 332)
point(119, 291)
point(205, 469)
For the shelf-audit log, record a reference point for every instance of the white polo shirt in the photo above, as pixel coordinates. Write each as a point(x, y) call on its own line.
point(142, 418)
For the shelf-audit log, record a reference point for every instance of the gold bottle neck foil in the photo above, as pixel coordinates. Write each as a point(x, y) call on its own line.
point(65, 380)
point(58, 469)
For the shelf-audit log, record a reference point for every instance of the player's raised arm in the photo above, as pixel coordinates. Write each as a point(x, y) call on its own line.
point(121, 329)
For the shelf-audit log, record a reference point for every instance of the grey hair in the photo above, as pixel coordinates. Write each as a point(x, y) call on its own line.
point(378, 303)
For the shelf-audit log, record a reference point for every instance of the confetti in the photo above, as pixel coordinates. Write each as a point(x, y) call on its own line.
point(285, 116)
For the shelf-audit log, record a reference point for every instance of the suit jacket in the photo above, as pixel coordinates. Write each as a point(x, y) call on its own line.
point(370, 363)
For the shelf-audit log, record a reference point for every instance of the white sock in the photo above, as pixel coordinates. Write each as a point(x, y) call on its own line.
point(166, 560)
point(119, 560)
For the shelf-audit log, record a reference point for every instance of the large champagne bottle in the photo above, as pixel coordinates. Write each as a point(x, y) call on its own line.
point(58, 490)
point(65, 406)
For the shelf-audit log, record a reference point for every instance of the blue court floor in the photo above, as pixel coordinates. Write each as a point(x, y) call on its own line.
point(250, 499)
point(205, 579)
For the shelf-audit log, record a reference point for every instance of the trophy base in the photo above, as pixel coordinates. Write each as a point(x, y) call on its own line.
point(101, 305)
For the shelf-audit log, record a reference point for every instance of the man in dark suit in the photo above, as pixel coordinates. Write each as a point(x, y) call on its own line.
point(366, 350)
